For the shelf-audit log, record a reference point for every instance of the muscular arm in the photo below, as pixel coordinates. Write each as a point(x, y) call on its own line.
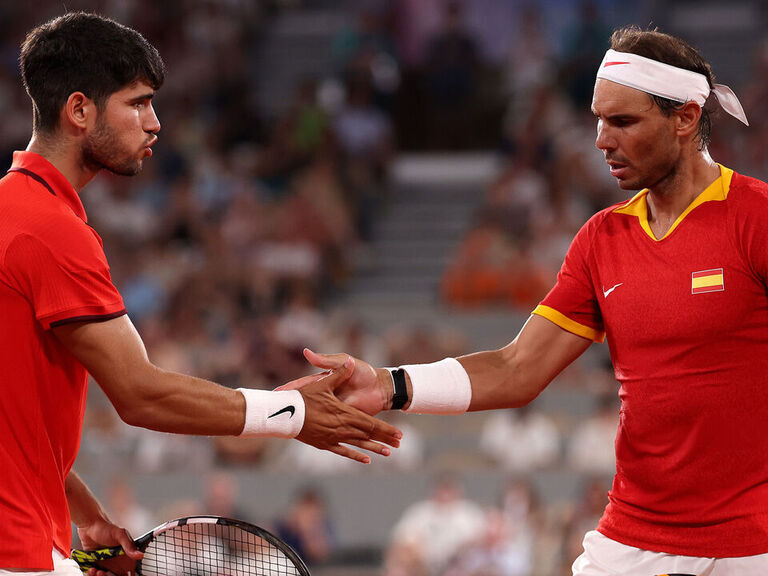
point(145, 395)
point(509, 377)
point(515, 374)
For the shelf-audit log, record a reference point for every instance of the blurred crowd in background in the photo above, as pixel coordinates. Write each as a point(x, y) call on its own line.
point(247, 221)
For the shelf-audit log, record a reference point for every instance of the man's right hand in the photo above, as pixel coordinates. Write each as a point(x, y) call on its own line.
point(333, 409)
point(368, 389)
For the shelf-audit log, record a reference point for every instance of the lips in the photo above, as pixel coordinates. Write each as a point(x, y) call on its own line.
point(617, 168)
point(148, 147)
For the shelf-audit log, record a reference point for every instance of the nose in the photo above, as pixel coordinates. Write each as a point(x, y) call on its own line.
point(604, 140)
point(151, 122)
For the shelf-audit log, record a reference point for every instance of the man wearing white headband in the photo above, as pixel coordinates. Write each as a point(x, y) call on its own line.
point(676, 280)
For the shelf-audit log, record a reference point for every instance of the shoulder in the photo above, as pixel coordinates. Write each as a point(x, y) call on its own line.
point(44, 230)
point(748, 200)
point(748, 189)
point(601, 222)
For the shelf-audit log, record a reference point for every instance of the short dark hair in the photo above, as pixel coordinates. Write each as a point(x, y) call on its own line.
point(83, 52)
point(675, 52)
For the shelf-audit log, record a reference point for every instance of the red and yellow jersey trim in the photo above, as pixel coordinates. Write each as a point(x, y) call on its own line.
point(638, 204)
point(569, 325)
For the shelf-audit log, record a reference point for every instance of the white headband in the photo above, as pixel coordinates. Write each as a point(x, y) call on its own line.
point(667, 81)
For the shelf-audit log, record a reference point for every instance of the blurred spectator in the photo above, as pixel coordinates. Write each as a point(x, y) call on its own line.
point(530, 63)
point(489, 268)
point(509, 540)
point(584, 46)
point(307, 527)
point(431, 532)
point(583, 517)
point(521, 440)
point(495, 552)
point(123, 509)
point(221, 496)
point(451, 72)
point(367, 47)
point(414, 344)
point(365, 141)
point(591, 445)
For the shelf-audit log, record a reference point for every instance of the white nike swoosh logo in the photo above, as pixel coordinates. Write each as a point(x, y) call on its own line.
point(606, 292)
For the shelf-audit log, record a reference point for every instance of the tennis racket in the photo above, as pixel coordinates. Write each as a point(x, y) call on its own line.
point(200, 546)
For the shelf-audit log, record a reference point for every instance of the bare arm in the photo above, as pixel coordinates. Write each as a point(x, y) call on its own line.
point(93, 527)
point(147, 396)
point(509, 377)
point(515, 374)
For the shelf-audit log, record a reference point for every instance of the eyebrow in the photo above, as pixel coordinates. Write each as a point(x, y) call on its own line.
point(140, 97)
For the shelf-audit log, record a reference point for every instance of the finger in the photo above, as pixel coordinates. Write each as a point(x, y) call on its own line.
point(125, 540)
point(371, 446)
point(303, 381)
point(341, 374)
point(348, 452)
point(384, 432)
point(328, 361)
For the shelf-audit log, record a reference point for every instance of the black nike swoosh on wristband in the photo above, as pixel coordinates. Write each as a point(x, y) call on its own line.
point(289, 409)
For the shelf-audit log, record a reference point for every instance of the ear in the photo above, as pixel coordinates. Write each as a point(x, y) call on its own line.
point(79, 111)
point(688, 119)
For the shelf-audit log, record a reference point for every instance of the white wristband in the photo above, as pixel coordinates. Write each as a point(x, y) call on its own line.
point(439, 388)
point(273, 413)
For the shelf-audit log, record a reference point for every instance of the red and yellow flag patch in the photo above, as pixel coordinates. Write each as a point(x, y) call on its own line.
point(707, 281)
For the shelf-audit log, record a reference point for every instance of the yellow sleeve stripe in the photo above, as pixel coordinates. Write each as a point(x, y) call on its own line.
point(567, 324)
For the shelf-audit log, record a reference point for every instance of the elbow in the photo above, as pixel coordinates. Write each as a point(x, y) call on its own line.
point(133, 412)
point(135, 402)
point(523, 382)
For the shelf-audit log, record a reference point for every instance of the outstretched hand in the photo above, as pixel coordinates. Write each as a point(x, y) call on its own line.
point(332, 418)
point(367, 389)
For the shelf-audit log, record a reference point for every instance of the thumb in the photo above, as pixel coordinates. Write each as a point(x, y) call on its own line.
point(303, 381)
point(342, 373)
point(326, 361)
point(129, 547)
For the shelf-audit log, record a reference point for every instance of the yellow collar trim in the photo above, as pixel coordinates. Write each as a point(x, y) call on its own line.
point(638, 204)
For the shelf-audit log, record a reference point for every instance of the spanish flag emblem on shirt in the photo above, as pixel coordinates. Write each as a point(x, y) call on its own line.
point(707, 281)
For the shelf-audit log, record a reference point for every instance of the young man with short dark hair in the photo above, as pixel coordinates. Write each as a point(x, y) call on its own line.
point(92, 82)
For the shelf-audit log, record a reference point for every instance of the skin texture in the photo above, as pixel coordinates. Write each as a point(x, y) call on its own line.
point(646, 149)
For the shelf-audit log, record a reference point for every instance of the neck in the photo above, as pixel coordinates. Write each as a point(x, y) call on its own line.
point(63, 154)
point(669, 198)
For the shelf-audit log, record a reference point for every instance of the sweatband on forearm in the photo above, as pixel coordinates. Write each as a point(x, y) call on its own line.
point(439, 388)
point(273, 413)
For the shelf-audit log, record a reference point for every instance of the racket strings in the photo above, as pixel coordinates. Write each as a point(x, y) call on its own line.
point(214, 550)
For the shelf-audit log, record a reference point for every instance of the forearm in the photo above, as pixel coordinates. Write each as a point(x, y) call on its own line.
point(145, 395)
point(495, 381)
point(83, 506)
point(499, 381)
point(177, 403)
point(509, 377)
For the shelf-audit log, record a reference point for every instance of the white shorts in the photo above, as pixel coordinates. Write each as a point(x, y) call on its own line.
point(61, 567)
point(605, 557)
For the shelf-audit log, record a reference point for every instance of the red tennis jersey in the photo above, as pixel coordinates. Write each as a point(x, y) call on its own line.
point(52, 271)
point(686, 319)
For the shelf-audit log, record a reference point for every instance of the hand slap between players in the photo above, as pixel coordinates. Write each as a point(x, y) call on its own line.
point(368, 389)
point(330, 423)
